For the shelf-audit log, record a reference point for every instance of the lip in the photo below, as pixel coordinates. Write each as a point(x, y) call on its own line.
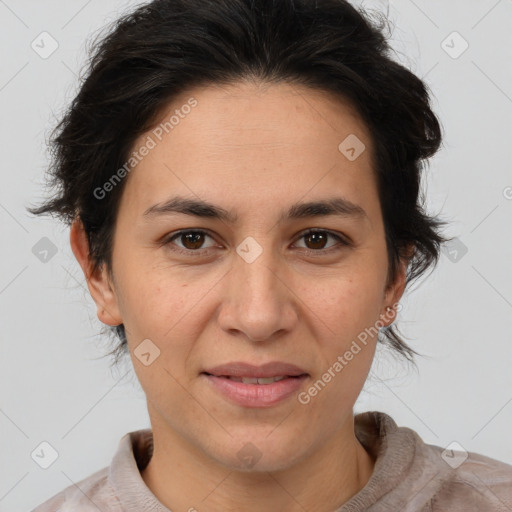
point(256, 395)
point(242, 369)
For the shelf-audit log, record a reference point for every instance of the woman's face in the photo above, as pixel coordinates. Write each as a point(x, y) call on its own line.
point(254, 287)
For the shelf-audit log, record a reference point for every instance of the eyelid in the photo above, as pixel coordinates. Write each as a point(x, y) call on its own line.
point(167, 241)
point(341, 238)
point(343, 241)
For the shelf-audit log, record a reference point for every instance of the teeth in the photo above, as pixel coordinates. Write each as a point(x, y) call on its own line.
point(254, 380)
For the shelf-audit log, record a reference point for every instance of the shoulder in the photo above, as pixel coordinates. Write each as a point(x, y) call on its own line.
point(469, 481)
point(411, 475)
point(105, 489)
point(88, 495)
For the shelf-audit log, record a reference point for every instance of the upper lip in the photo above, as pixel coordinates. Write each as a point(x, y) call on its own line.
point(241, 369)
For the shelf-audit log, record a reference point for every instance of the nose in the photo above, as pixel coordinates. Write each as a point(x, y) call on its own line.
point(257, 300)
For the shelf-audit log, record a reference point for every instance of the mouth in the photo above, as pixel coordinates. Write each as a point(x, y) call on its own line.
point(255, 391)
point(256, 380)
point(241, 370)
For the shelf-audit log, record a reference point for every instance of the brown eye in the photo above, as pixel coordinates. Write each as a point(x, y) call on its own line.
point(190, 241)
point(317, 240)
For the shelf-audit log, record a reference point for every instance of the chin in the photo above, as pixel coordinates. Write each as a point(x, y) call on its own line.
point(255, 452)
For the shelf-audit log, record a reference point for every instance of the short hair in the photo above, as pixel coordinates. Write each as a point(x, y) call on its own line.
point(166, 47)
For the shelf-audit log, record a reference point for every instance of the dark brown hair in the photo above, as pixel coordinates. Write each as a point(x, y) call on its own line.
point(168, 46)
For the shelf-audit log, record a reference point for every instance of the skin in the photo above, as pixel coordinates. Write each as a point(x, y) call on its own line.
point(255, 150)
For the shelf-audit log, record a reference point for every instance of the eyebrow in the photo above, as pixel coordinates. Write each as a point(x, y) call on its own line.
point(338, 206)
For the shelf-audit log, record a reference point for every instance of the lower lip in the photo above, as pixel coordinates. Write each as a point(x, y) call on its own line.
point(256, 395)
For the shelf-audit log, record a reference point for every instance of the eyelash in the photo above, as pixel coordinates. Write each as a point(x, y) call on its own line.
point(200, 252)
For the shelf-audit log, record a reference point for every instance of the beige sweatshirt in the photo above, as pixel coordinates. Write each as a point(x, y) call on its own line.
point(409, 475)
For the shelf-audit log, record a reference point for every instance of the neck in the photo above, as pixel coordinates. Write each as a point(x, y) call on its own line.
point(186, 479)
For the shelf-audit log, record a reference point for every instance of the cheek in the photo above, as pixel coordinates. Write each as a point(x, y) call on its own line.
point(346, 302)
point(151, 294)
point(345, 314)
point(164, 303)
point(168, 307)
point(162, 310)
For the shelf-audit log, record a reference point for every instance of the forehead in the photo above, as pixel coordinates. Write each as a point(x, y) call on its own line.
point(252, 140)
point(254, 112)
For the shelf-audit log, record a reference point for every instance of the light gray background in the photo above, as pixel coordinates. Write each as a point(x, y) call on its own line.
point(56, 388)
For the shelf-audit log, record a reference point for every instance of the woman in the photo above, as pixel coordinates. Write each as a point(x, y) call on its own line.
point(241, 179)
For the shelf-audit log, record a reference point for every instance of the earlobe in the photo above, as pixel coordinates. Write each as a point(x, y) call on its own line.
point(98, 282)
point(395, 291)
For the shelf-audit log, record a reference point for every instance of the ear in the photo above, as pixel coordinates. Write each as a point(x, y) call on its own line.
point(395, 290)
point(98, 281)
